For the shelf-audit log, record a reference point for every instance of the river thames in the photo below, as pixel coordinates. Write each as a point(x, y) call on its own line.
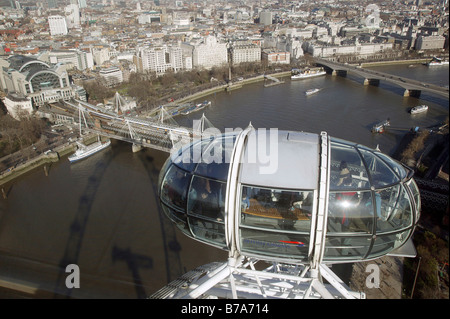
point(102, 213)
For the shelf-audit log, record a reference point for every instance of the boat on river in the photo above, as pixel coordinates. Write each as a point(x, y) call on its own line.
point(437, 62)
point(84, 151)
point(297, 74)
point(312, 91)
point(196, 107)
point(419, 109)
point(380, 127)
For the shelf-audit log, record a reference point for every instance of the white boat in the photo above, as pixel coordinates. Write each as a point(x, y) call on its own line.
point(196, 107)
point(379, 127)
point(312, 91)
point(437, 62)
point(419, 109)
point(297, 74)
point(84, 151)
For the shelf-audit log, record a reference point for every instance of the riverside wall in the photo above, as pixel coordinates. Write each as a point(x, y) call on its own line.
point(41, 160)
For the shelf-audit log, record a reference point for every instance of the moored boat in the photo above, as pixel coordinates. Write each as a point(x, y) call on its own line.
point(419, 109)
point(437, 62)
point(297, 74)
point(84, 151)
point(196, 107)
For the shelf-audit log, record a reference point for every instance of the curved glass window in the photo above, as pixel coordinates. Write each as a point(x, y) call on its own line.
point(276, 209)
point(347, 168)
point(45, 80)
point(216, 157)
point(370, 211)
point(386, 243)
point(351, 211)
point(205, 207)
point(381, 174)
point(275, 219)
point(396, 210)
point(178, 218)
point(397, 167)
point(273, 244)
point(206, 198)
point(174, 187)
point(189, 156)
point(346, 247)
point(416, 195)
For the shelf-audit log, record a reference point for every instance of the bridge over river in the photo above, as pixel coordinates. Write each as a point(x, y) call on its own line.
point(161, 132)
point(371, 77)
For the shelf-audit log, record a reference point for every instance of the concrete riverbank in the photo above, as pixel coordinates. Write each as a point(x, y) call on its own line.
point(221, 88)
point(38, 161)
point(43, 159)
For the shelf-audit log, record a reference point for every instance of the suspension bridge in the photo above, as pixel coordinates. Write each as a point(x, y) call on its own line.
point(160, 132)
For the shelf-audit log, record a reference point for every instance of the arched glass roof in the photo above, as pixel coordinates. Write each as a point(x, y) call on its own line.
point(293, 196)
point(43, 79)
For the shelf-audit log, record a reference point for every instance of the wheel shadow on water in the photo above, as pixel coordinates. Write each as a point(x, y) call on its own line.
point(78, 227)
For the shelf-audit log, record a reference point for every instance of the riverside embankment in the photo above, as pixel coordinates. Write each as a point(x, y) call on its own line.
point(44, 159)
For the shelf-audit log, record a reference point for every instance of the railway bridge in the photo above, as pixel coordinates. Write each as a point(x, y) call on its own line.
point(372, 77)
point(161, 133)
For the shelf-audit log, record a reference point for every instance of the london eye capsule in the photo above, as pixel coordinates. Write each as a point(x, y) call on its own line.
point(291, 196)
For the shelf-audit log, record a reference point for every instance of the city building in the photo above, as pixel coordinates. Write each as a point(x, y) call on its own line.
point(245, 53)
point(361, 50)
point(431, 42)
point(100, 55)
point(112, 76)
point(80, 60)
point(160, 59)
point(58, 25)
point(265, 18)
point(149, 17)
point(18, 105)
point(52, 4)
point(209, 53)
point(26, 79)
point(272, 56)
point(72, 12)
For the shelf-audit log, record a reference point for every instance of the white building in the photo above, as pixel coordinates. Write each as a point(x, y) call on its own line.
point(72, 13)
point(29, 79)
point(160, 59)
point(149, 17)
point(72, 59)
point(431, 42)
point(245, 53)
point(82, 4)
point(18, 105)
point(100, 55)
point(358, 49)
point(265, 18)
point(209, 53)
point(181, 22)
point(112, 75)
point(58, 25)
